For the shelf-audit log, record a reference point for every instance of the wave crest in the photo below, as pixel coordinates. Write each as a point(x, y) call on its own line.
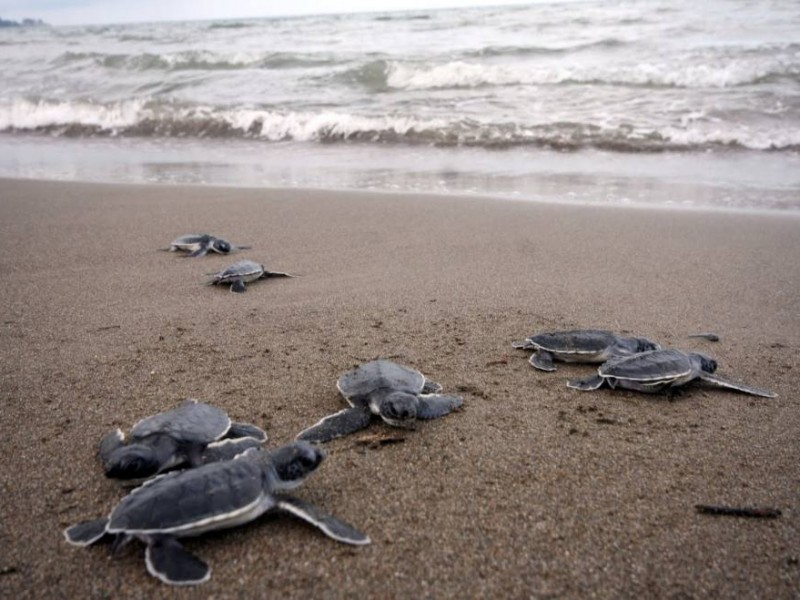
point(158, 119)
point(201, 60)
point(460, 74)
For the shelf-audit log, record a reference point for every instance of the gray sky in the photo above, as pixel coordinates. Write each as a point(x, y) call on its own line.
point(76, 12)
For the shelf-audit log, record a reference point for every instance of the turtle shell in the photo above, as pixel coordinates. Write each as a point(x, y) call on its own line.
point(192, 238)
point(243, 269)
point(655, 365)
point(188, 502)
point(193, 422)
point(358, 384)
point(578, 341)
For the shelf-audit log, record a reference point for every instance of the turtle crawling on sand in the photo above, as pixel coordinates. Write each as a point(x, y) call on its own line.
point(212, 497)
point(243, 272)
point(661, 370)
point(199, 244)
point(398, 394)
point(190, 434)
point(582, 346)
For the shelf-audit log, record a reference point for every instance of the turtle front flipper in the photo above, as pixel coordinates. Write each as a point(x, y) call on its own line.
point(170, 562)
point(238, 286)
point(328, 524)
point(433, 406)
point(228, 449)
point(431, 387)
point(336, 425)
point(246, 430)
point(542, 360)
point(267, 274)
point(739, 387)
point(586, 385)
point(86, 533)
point(109, 444)
point(201, 251)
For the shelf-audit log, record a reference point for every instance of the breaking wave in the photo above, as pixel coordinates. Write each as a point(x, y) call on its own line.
point(142, 118)
point(461, 74)
point(200, 60)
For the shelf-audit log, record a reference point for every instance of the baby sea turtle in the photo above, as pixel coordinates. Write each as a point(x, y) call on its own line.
point(199, 244)
point(192, 433)
point(243, 272)
point(661, 370)
point(582, 346)
point(215, 496)
point(398, 394)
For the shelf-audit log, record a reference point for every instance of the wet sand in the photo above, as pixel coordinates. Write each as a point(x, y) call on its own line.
point(531, 490)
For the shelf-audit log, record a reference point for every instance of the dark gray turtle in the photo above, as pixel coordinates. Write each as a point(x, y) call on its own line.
point(243, 272)
point(661, 370)
point(215, 496)
point(192, 433)
point(582, 346)
point(199, 244)
point(398, 394)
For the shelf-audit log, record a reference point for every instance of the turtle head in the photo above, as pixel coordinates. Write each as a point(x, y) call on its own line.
point(645, 345)
point(135, 461)
point(399, 409)
point(221, 246)
point(707, 364)
point(293, 463)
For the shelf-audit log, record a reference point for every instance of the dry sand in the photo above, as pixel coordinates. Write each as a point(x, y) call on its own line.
point(531, 490)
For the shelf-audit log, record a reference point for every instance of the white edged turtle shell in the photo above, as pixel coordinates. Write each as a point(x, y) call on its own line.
point(246, 270)
point(191, 241)
point(192, 422)
point(654, 366)
point(185, 503)
point(357, 385)
point(578, 341)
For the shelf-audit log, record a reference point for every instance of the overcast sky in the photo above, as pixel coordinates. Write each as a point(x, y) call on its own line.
point(78, 12)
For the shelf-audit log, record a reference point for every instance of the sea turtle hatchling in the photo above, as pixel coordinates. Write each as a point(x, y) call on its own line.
point(194, 433)
point(398, 394)
point(243, 272)
point(199, 244)
point(661, 370)
point(215, 496)
point(582, 346)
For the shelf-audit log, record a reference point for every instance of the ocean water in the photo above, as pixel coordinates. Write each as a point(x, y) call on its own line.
point(586, 101)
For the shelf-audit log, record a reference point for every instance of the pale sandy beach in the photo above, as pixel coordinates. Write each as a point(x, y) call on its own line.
point(532, 490)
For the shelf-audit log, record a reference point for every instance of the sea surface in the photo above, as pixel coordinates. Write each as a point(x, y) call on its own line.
point(673, 102)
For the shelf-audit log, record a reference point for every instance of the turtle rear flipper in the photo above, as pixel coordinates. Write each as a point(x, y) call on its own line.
point(336, 425)
point(328, 524)
point(86, 533)
point(109, 444)
point(432, 406)
point(246, 430)
point(586, 385)
point(168, 560)
point(739, 387)
point(542, 360)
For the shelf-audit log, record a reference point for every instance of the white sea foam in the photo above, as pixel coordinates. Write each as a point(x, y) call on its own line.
point(149, 118)
point(460, 74)
point(24, 114)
